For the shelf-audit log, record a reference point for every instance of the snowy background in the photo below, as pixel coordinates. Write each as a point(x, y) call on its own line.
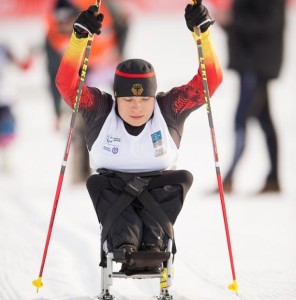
point(263, 228)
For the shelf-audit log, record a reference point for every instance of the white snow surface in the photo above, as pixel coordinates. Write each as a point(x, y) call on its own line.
point(262, 228)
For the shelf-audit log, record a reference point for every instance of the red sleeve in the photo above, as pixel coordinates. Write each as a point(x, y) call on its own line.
point(177, 104)
point(191, 96)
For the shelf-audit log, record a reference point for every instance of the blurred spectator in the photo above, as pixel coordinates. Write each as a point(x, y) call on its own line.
point(255, 43)
point(59, 27)
point(106, 52)
point(7, 119)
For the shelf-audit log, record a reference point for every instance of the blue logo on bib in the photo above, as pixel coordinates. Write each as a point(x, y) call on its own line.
point(156, 139)
point(115, 150)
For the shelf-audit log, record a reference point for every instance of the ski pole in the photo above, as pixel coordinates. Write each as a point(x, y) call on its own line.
point(197, 36)
point(38, 282)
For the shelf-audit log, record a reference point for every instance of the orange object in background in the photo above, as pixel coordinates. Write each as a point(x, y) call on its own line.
point(103, 46)
point(106, 45)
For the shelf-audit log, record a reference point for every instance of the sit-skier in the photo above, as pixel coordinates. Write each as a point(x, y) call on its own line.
point(133, 140)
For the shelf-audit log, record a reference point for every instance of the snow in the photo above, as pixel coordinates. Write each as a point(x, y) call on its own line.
point(262, 228)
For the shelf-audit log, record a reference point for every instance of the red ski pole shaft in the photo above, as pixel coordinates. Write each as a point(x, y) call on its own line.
point(38, 282)
point(197, 34)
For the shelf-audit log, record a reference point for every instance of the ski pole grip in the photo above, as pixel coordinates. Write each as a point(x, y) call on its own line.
point(84, 30)
point(196, 29)
point(98, 3)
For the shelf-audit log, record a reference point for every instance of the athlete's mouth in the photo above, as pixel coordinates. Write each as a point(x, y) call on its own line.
point(136, 117)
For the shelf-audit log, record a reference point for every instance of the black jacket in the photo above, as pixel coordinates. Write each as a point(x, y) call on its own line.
point(255, 37)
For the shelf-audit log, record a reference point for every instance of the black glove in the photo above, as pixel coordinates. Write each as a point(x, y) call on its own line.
point(88, 23)
point(198, 15)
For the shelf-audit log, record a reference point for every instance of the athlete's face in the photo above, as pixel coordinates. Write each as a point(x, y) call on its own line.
point(135, 111)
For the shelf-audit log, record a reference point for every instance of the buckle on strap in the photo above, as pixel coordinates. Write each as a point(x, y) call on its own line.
point(136, 186)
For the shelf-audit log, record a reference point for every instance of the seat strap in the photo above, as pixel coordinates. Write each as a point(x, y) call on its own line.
point(137, 186)
point(156, 210)
point(132, 190)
